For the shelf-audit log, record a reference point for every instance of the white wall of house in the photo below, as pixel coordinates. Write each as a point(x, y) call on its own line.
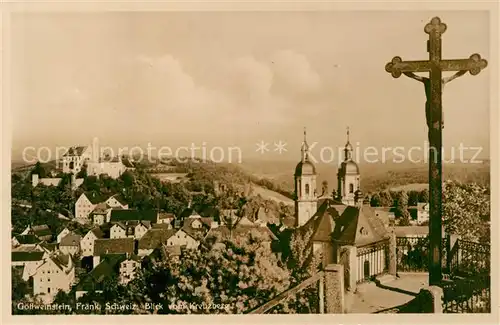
point(62, 234)
point(113, 202)
point(83, 208)
point(87, 244)
point(117, 232)
point(69, 250)
point(30, 269)
point(139, 231)
point(99, 219)
point(144, 251)
point(180, 238)
point(49, 279)
point(127, 270)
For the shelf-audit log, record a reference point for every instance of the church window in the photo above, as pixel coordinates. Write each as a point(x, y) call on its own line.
point(351, 188)
point(307, 189)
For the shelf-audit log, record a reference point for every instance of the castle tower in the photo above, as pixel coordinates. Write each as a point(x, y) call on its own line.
point(306, 201)
point(348, 176)
point(95, 150)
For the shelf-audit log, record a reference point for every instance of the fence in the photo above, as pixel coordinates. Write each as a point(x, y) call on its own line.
point(467, 295)
point(469, 258)
point(412, 254)
point(373, 260)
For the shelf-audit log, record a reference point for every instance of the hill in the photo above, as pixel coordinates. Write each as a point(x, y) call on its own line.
point(374, 177)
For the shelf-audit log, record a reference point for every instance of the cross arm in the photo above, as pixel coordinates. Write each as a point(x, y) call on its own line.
point(398, 66)
point(474, 64)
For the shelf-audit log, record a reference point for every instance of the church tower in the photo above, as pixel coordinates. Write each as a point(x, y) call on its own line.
point(348, 176)
point(306, 201)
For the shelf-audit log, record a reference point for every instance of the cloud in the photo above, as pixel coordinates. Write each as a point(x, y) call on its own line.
point(294, 74)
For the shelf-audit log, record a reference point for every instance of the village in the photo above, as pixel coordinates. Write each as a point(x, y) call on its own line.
point(121, 237)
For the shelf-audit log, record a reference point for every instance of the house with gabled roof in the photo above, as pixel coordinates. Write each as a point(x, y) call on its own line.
point(112, 246)
point(121, 215)
point(101, 214)
point(42, 232)
point(57, 272)
point(30, 259)
point(87, 242)
point(63, 233)
point(183, 239)
point(25, 240)
point(128, 268)
point(70, 244)
point(49, 248)
point(75, 158)
point(154, 238)
point(117, 201)
point(165, 217)
point(84, 205)
point(95, 280)
point(242, 233)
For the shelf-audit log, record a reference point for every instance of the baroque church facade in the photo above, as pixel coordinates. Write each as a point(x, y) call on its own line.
point(340, 221)
point(306, 195)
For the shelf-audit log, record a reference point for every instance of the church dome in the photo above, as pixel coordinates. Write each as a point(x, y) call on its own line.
point(305, 168)
point(350, 167)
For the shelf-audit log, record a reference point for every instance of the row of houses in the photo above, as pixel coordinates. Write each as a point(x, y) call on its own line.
point(118, 247)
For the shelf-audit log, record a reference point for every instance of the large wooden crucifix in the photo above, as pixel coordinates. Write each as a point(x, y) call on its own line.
point(433, 91)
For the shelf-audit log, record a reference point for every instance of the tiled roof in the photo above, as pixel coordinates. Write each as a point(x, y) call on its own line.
point(70, 240)
point(359, 227)
point(101, 208)
point(166, 215)
point(132, 214)
point(97, 232)
point(172, 250)
point(224, 233)
point(153, 238)
point(26, 256)
point(323, 221)
point(120, 199)
point(51, 247)
point(41, 230)
point(113, 246)
point(95, 198)
point(104, 270)
point(75, 151)
point(403, 231)
point(27, 239)
point(61, 260)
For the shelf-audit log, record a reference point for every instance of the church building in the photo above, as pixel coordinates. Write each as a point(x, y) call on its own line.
point(340, 221)
point(306, 195)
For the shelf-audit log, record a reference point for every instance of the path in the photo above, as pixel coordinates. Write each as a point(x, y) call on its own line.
point(370, 298)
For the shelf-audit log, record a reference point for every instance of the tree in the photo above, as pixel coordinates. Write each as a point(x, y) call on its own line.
point(413, 198)
point(424, 196)
point(375, 200)
point(238, 278)
point(39, 170)
point(402, 209)
point(466, 211)
point(386, 199)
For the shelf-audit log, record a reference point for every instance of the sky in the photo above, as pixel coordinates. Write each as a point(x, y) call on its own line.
point(237, 78)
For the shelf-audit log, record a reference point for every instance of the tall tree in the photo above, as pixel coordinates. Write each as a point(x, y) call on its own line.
point(466, 211)
point(375, 200)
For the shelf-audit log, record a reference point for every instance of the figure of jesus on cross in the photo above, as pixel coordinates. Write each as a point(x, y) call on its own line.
point(427, 86)
point(433, 112)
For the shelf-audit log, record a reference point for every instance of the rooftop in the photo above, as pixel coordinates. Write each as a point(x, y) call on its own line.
point(113, 246)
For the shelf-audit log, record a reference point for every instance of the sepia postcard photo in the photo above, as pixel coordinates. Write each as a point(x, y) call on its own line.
point(251, 162)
